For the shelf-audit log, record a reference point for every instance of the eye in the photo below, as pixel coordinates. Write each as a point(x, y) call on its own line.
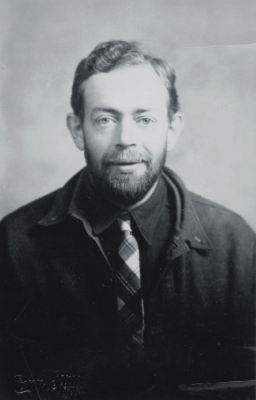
point(104, 121)
point(145, 121)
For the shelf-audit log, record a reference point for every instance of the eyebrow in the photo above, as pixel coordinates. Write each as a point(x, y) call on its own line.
point(105, 109)
point(142, 110)
point(114, 111)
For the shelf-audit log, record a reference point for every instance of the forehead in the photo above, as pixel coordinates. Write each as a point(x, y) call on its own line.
point(126, 87)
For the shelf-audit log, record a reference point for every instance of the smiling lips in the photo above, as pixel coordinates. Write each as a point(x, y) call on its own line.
point(127, 162)
point(127, 166)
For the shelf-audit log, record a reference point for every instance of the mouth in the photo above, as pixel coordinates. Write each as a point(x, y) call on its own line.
point(127, 167)
point(127, 162)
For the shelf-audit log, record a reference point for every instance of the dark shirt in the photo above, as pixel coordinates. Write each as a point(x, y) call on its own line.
point(152, 225)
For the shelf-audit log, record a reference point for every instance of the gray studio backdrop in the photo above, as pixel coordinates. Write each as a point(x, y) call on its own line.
point(211, 44)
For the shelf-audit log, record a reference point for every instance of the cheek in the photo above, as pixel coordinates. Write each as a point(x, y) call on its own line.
point(96, 149)
point(99, 141)
point(156, 144)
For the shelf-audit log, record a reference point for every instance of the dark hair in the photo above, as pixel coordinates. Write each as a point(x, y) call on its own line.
point(108, 55)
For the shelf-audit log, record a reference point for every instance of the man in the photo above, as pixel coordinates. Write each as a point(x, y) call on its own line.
point(122, 284)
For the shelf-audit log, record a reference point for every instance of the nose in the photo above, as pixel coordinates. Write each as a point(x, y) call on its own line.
point(126, 134)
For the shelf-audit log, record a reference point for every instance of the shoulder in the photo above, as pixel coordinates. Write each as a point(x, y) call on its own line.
point(30, 214)
point(20, 220)
point(221, 224)
point(214, 212)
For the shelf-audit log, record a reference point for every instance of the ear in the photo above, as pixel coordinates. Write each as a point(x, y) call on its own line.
point(174, 130)
point(75, 127)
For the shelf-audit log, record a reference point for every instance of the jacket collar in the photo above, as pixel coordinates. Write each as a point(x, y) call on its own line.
point(188, 229)
point(63, 200)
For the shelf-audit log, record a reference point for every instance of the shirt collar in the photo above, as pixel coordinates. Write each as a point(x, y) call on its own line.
point(147, 214)
point(88, 202)
point(74, 195)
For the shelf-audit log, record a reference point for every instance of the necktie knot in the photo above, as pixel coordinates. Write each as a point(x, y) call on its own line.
point(124, 223)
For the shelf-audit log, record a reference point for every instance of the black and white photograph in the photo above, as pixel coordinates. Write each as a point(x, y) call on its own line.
point(128, 199)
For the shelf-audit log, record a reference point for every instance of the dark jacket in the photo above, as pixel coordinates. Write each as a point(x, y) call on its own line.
point(60, 334)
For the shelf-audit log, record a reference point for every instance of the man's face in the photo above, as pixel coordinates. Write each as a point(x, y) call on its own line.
point(125, 129)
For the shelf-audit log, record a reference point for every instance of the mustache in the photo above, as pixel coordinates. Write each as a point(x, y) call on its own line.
point(126, 156)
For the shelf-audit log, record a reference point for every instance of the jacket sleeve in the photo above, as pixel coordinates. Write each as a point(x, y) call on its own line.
point(11, 302)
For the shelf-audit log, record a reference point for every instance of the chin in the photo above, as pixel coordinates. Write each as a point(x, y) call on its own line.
point(128, 188)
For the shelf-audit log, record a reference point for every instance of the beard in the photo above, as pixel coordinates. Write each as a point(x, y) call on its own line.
point(125, 188)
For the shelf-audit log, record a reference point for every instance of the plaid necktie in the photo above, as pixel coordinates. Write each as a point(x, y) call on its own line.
point(129, 297)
